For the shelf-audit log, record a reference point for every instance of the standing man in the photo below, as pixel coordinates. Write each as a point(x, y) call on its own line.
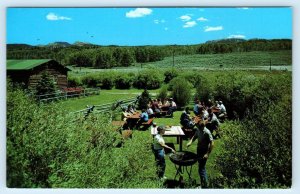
point(204, 148)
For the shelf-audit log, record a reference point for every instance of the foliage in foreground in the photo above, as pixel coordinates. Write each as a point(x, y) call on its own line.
point(48, 148)
point(257, 152)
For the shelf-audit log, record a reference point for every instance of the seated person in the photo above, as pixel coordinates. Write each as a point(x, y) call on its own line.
point(150, 112)
point(125, 114)
point(144, 117)
point(159, 103)
point(209, 104)
point(213, 123)
point(130, 109)
point(196, 108)
point(172, 108)
point(155, 106)
point(185, 119)
point(223, 112)
point(205, 113)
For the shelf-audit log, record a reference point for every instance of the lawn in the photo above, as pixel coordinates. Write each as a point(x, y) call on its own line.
point(108, 96)
point(105, 96)
point(170, 167)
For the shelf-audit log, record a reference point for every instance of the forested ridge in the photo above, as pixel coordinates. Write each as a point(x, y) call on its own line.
point(97, 56)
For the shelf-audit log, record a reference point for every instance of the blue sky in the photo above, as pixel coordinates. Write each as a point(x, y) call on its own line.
point(145, 26)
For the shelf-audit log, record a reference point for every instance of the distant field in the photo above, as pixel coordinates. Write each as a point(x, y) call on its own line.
point(258, 60)
point(230, 60)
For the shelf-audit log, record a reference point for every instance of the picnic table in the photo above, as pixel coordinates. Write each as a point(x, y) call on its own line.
point(135, 116)
point(172, 131)
point(215, 110)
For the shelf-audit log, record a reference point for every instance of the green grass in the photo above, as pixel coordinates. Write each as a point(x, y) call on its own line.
point(228, 60)
point(170, 167)
point(259, 60)
point(105, 96)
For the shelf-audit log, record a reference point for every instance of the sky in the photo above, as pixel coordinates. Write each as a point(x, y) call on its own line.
point(146, 26)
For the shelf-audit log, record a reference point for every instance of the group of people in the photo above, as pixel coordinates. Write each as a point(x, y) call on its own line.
point(201, 109)
point(207, 122)
point(131, 123)
point(156, 106)
point(212, 114)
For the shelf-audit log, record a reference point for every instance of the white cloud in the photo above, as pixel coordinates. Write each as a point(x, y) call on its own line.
point(189, 24)
point(138, 12)
point(202, 19)
point(237, 36)
point(211, 28)
point(243, 8)
point(53, 16)
point(185, 18)
point(159, 21)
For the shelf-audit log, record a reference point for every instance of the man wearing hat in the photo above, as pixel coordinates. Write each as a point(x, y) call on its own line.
point(159, 153)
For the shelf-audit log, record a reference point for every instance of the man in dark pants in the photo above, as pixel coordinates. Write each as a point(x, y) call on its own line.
point(159, 153)
point(204, 148)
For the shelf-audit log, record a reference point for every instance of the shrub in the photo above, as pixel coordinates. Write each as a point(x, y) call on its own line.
point(163, 92)
point(123, 82)
point(181, 91)
point(259, 162)
point(50, 148)
point(91, 80)
point(45, 85)
point(170, 74)
point(107, 82)
point(74, 81)
point(203, 90)
point(143, 100)
point(149, 79)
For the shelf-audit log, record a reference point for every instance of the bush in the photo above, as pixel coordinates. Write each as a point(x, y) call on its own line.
point(74, 81)
point(45, 85)
point(50, 148)
point(123, 82)
point(170, 74)
point(91, 80)
point(107, 82)
point(251, 157)
point(163, 92)
point(203, 90)
point(149, 79)
point(143, 100)
point(181, 91)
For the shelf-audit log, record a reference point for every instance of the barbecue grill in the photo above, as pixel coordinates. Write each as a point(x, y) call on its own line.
point(183, 161)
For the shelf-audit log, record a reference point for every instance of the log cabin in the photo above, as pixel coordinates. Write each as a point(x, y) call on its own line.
point(29, 72)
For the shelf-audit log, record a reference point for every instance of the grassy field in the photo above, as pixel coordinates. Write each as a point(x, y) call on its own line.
point(105, 96)
point(170, 167)
point(280, 60)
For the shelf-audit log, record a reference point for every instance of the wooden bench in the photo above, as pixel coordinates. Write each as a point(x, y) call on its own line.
point(148, 123)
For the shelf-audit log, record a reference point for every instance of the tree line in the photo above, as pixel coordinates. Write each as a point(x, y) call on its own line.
point(107, 57)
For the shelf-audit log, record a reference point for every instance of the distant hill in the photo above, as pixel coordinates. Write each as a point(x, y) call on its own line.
point(18, 46)
point(58, 44)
